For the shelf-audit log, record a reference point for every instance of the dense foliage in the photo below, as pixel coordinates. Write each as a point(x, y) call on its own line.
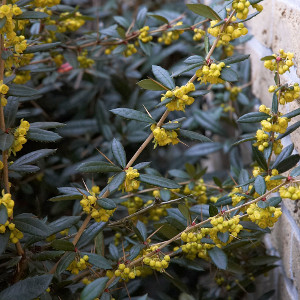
point(159, 175)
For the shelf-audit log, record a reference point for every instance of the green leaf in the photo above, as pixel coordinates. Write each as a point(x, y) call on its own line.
point(46, 125)
point(243, 99)
point(268, 57)
point(263, 260)
point(289, 130)
point(292, 114)
point(243, 179)
point(116, 181)
point(186, 69)
point(159, 18)
point(163, 76)
point(218, 257)
point(2, 22)
point(171, 126)
point(65, 198)
point(275, 104)
point(6, 141)
point(203, 149)
point(288, 163)
point(24, 168)
point(132, 114)
point(253, 117)
point(47, 255)
point(259, 157)
point(243, 141)
point(63, 245)
point(97, 260)
point(223, 236)
point(208, 122)
point(63, 223)
point(94, 289)
point(142, 229)
point(204, 11)
point(98, 167)
point(229, 75)
point(194, 136)
point(213, 210)
point(4, 238)
point(90, 233)
point(33, 156)
point(142, 165)
point(166, 230)
point(31, 225)
point(274, 201)
point(119, 153)
point(28, 288)
point(106, 203)
point(185, 211)
point(21, 91)
point(3, 214)
point(260, 185)
point(294, 173)
point(146, 47)
point(141, 17)
point(285, 153)
point(113, 250)
point(235, 59)
point(40, 48)
point(158, 181)
point(65, 261)
point(31, 15)
point(41, 135)
point(122, 21)
point(151, 84)
point(206, 44)
point(195, 59)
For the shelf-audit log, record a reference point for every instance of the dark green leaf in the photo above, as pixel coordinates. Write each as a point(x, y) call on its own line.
point(289, 130)
point(94, 289)
point(6, 141)
point(4, 238)
point(229, 75)
point(235, 59)
point(106, 203)
point(171, 126)
point(116, 181)
point(33, 156)
point(243, 179)
point(263, 260)
point(21, 90)
point(158, 181)
point(185, 211)
point(218, 257)
point(3, 214)
point(122, 21)
point(260, 185)
point(166, 230)
point(253, 117)
point(142, 229)
point(285, 153)
point(243, 99)
point(31, 225)
point(159, 18)
point(146, 47)
point(42, 47)
point(274, 201)
point(292, 114)
point(223, 236)
point(31, 15)
point(97, 261)
point(259, 157)
point(163, 76)
point(243, 141)
point(194, 136)
point(65, 261)
point(90, 233)
point(268, 57)
point(119, 153)
point(206, 44)
point(208, 122)
point(132, 114)
point(213, 210)
point(151, 84)
point(47, 255)
point(204, 11)
point(27, 289)
point(98, 167)
point(65, 198)
point(275, 104)
point(113, 250)
point(63, 245)
point(142, 165)
point(141, 17)
point(195, 59)
point(2, 22)
point(288, 163)
point(203, 149)
point(41, 135)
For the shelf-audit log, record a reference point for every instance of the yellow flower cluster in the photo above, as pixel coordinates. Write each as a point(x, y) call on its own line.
point(144, 35)
point(231, 32)
point(234, 92)
point(133, 204)
point(228, 50)
point(271, 184)
point(3, 91)
point(227, 107)
point(130, 50)
point(263, 217)
point(198, 34)
point(110, 49)
point(127, 273)
point(199, 191)
point(236, 199)
point(179, 97)
point(46, 3)
point(19, 136)
point(210, 73)
point(15, 234)
point(17, 61)
point(89, 206)
point(84, 61)
point(78, 264)
point(287, 94)
point(158, 262)
point(241, 7)
point(9, 11)
point(168, 37)
point(130, 184)
point(291, 192)
point(222, 225)
point(72, 23)
point(262, 142)
point(283, 62)
point(163, 137)
point(194, 247)
point(22, 77)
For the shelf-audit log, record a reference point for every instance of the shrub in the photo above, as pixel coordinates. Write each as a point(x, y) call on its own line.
point(136, 109)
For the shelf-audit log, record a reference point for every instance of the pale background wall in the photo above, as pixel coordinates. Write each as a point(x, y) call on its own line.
point(278, 26)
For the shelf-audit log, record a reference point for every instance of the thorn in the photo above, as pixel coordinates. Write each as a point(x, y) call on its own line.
point(85, 186)
point(105, 156)
point(184, 143)
point(147, 111)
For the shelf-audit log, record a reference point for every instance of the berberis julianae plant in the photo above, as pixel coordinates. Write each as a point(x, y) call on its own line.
point(137, 95)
